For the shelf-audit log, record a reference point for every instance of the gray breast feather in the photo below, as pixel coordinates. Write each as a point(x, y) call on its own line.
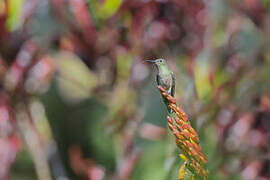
point(166, 82)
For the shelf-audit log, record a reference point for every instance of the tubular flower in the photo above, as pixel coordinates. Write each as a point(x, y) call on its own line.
point(186, 139)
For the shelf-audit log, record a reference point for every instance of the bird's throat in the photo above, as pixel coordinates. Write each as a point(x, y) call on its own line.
point(164, 70)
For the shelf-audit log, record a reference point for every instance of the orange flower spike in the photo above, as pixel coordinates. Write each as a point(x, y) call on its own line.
point(198, 170)
point(182, 124)
point(183, 148)
point(173, 106)
point(184, 143)
point(193, 132)
point(171, 126)
point(203, 159)
point(195, 154)
point(197, 147)
point(172, 100)
point(170, 120)
point(184, 117)
point(189, 144)
point(178, 114)
point(161, 88)
point(178, 135)
point(195, 139)
point(189, 153)
point(186, 126)
point(180, 110)
point(198, 165)
point(186, 137)
point(192, 164)
point(185, 134)
point(177, 120)
point(179, 127)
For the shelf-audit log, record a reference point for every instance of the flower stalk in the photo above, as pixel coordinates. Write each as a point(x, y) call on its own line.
point(187, 140)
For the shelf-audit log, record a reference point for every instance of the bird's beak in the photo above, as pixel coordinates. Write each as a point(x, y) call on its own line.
point(151, 61)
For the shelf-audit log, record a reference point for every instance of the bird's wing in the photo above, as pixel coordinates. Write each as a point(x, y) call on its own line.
point(158, 80)
point(173, 85)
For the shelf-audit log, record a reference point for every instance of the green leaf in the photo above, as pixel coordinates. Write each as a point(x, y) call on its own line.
point(14, 14)
point(109, 8)
point(75, 80)
point(201, 73)
point(184, 173)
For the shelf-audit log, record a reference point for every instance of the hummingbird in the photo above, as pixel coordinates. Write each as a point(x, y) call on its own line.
point(165, 78)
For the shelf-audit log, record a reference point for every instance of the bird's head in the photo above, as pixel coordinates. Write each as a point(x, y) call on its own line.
point(157, 62)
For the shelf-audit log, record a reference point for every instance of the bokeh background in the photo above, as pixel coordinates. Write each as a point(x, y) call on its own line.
point(77, 100)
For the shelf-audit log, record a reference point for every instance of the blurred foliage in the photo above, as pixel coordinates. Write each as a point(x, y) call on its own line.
point(108, 8)
point(14, 14)
point(77, 100)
